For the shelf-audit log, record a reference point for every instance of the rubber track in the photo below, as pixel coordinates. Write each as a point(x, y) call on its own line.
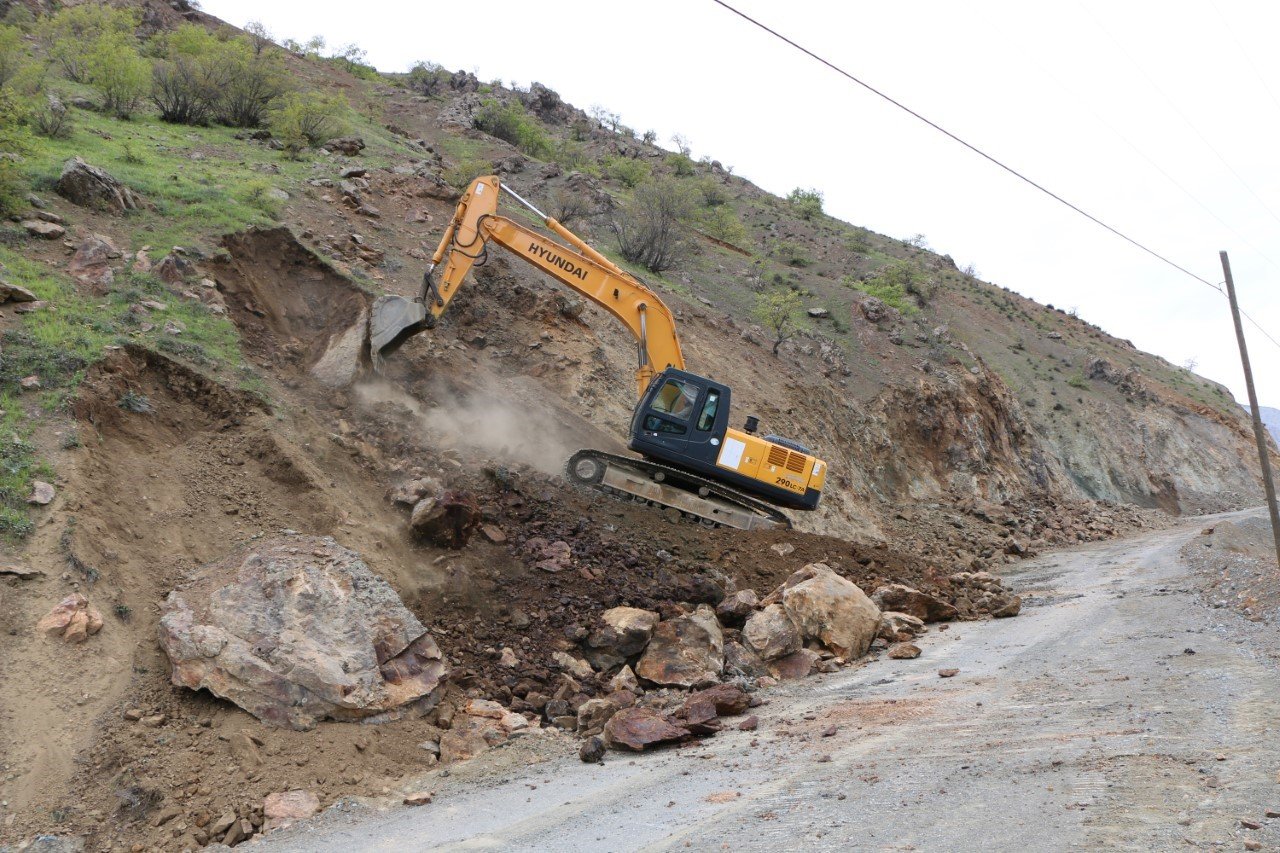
point(712, 486)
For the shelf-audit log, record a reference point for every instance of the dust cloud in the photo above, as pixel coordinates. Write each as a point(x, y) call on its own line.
point(493, 426)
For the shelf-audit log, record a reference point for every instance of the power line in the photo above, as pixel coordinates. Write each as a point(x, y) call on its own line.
point(986, 156)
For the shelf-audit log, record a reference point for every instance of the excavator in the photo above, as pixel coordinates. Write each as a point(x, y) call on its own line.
point(690, 460)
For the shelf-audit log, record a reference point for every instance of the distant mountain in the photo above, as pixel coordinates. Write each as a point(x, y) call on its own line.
point(1271, 419)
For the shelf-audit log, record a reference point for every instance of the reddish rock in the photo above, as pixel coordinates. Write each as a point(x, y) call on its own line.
point(1011, 608)
point(448, 522)
point(15, 293)
point(740, 660)
point(418, 798)
point(639, 728)
point(73, 620)
point(623, 633)
point(893, 625)
point(41, 493)
point(736, 608)
point(91, 264)
point(948, 673)
point(904, 599)
point(727, 699)
point(44, 230)
point(174, 269)
point(794, 666)
point(280, 810)
point(749, 724)
point(687, 651)
point(904, 651)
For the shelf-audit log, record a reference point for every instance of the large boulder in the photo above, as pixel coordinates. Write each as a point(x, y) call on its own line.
point(771, 633)
point(637, 728)
point(91, 264)
point(831, 610)
point(448, 521)
point(687, 651)
point(297, 629)
point(622, 634)
point(904, 599)
point(89, 186)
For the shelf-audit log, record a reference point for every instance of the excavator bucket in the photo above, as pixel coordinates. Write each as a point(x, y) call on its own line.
point(392, 321)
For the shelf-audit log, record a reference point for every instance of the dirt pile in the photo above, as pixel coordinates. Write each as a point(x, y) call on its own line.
point(1237, 560)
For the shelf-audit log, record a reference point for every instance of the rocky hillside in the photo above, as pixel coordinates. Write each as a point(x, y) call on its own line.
point(1271, 420)
point(182, 384)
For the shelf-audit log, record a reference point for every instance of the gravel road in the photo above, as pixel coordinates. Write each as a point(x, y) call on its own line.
point(1117, 711)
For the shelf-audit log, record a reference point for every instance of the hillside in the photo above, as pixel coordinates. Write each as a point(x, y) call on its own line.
point(181, 375)
point(1271, 420)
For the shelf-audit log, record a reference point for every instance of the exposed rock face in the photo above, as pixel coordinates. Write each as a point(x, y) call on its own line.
point(623, 633)
point(771, 633)
point(831, 610)
point(297, 629)
point(89, 186)
point(91, 264)
point(903, 599)
point(73, 620)
point(343, 360)
point(687, 651)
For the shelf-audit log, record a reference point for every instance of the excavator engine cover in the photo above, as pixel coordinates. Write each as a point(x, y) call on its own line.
point(392, 321)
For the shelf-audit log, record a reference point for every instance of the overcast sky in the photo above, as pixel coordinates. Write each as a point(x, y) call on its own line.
point(1161, 118)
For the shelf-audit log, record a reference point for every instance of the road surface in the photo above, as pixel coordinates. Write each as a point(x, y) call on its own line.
point(1118, 711)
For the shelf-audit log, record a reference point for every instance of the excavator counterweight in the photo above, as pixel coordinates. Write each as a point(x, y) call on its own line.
point(693, 461)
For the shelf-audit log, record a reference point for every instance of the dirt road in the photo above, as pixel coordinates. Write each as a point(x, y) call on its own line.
point(1118, 711)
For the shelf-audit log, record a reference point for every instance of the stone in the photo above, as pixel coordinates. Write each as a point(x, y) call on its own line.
point(873, 308)
point(449, 521)
point(222, 824)
point(740, 660)
point(485, 708)
point(89, 186)
point(549, 556)
point(782, 549)
point(91, 263)
point(904, 651)
point(1011, 608)
point(418, 798)
point(948, 673)
point(347, 145)
point(727, 699)
point(22, 573)
point(469, 737)
point(903, 599)
point(493, 533)
point(174, 269)
point(142, 261)
point(280, 810)
point(736, 607)
point(30, 383)
point(44, 230)
point(154, 721)
point(15, 293)
point(507, 657)
point(593, 714)
point(244, 750)
point(408, 494)
point(73, 619)
point(771, 633)
point(750, 724)
point(296, 629)
point(353, 172)
point(818, 313)
point(687, 651)
point(639, 728)
point(342, 361)
point(622, 634)
point(42, 493)
point(133, 715)
point(592, 750)
point(832, 610)
point(576, 667)
point(794, 666)
point(894, 624)
point(624, 680)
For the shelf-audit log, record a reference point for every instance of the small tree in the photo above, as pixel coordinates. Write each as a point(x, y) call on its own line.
point(779, 312)
point(256, 80)
point(119, 73)
point(14, 60)
point(191, 79)
point(306, 120)
point(70, 35)
point(427, 78)
point(650, 229)
point(807, 203)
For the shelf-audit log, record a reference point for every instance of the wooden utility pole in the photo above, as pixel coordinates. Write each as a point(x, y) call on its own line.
point(1264, 456)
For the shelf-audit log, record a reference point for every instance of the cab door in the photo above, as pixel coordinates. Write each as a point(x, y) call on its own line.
point(668, 419)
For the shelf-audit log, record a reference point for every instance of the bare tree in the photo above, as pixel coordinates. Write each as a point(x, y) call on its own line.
point(651, 228)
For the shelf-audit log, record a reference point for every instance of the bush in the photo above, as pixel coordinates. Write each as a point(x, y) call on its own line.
point(257, 79)
point(119, 73)
point(899, 279)
point(651, 228)
point(461, 174)
point(510, 123)
point(14, 139)
point(779, 312)
point(790, 253)
point(306, 120)
point(631, 173)
point(723, 223)
point(1077, 380)
point(51, 119)
point(189, 81)
point(71, 35)
point(571, 155)
point(807, 203)
point(427, 78)
point(713, 192)
point(681, 165)
point(14, 60)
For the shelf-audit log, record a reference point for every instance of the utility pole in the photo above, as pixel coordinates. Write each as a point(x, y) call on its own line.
point(1264, 457)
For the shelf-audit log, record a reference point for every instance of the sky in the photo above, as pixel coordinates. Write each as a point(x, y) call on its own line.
point(1160, 118)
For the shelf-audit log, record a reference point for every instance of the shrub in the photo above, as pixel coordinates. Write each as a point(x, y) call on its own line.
point(510, 123)
point(571, 155)
point(779, 312)
point(461, 174)
point(306, 120)
point(901, 278)
point(119, 73)
point(807, 203)
point(14, 60)
point(256, 79)
point(427, 78)
point(1077, 380)
point(14, 140)
point(681, 165)
point(723, 223)
point(567, 206)
point(51, 119)
point(651, 228)
point(71, 35)
point(189, 81)
point(629, 172)
point(790, 253)
point(713, 192)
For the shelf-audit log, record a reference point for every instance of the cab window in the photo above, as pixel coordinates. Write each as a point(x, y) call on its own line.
point(708, 417)
point(676, 399)
point(653, 423)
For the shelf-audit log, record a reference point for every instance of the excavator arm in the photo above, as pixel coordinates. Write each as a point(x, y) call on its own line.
point(475, 225)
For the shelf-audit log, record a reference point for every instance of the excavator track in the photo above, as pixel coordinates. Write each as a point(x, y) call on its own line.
point(694, 497)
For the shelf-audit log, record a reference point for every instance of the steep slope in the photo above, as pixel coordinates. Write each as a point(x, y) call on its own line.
point(1271, 420)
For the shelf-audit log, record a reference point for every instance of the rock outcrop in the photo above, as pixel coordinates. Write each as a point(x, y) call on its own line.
point(89, 186)
point(297, 629)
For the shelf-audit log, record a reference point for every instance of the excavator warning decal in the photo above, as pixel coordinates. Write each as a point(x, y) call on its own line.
point(731, 453)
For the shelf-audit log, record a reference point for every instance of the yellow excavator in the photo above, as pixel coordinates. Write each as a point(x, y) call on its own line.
point(693, 461)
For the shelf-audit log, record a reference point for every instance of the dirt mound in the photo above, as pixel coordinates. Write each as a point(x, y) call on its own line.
point(293, 310)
